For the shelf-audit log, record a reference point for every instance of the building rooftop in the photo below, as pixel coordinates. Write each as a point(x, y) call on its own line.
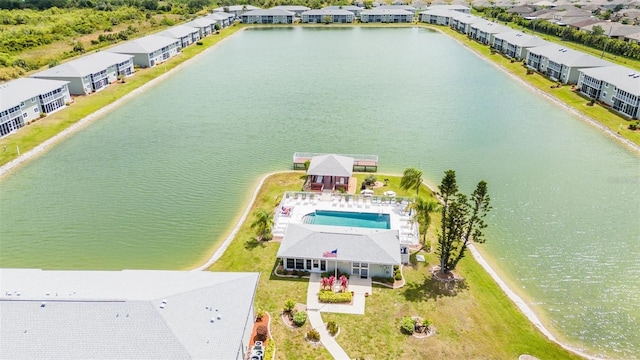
point(85, 65)
point(491, 27)
point(179, 31)
point(292, 7)
point(128, 314)
point(448, 7)
point(325, 11)
point(269, 12)
point(200, 22)
point(343, 7)
point(569, 57)
point(14, 92)
point(623, 78)
point(375, 246)
point(385, 11)
point(331, 165)
point(440, 12)
point(236, 8)
point(144, 45)
point(521, 39)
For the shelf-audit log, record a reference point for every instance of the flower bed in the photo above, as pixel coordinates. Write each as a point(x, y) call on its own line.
point(328, 296)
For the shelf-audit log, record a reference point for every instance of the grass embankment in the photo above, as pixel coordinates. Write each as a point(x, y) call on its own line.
point(34, 134)
point(479, 322)
point(565, 94)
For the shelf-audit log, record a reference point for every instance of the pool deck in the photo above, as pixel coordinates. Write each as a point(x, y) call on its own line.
point(294, 207)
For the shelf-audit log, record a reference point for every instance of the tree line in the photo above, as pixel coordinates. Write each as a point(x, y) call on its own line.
point(596, 39)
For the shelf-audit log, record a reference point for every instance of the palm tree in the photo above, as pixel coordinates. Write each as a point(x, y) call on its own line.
point(422, 210)
point(262, 224)
point(411, 179)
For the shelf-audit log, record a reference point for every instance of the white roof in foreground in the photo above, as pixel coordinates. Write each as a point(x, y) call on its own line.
point(144, 45)
point(179, 31)
point(200, 22)
point(331, 165)
point(376, 246)
point(16, 91)
point(326, 11)
point(623, 78)
point(128, 314)
point(569, 57)
point(86, 65)
point(269, 12)
point(386, 11)
point(521, 39)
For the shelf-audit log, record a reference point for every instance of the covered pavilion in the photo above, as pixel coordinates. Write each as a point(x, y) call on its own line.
point(329, 172)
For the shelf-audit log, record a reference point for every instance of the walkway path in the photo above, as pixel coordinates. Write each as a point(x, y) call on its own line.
point(313, 311)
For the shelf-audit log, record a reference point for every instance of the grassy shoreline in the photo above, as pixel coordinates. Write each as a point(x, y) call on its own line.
point(31, 136)
point(479, 321)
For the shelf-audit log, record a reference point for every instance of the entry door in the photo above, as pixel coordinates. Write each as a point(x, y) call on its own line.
point(323, 265)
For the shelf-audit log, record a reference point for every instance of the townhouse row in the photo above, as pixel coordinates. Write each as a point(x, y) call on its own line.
point(24, 100)
point(616, 86)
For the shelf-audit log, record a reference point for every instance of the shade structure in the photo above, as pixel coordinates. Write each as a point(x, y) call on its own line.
point(331, 165)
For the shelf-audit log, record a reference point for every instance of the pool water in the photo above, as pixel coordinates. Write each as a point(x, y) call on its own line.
point(350, 219)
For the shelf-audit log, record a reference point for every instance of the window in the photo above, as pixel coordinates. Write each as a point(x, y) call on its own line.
point(606, 84)
point(24, 115)
point(290, 264)
point(299, 264)
point(35, 110)
point(604, 94)
point(308, 264)
point(22, 104)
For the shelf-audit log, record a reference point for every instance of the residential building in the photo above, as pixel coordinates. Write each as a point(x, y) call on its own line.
point(484, 32)
point(521, 10)
point(516, 44)
point(459, 8)
point(236, 10)
point(405, 7)
point(90, 73)
point(186, 34)
point(561, 64)
point(129, 314)
point(614, 30)
point(386, 15)
point(616, 86)
point(223, 19)
point(204, 25)
point(437, 17)
point(319, 16)
point(150, 50)
point(268, 16)
point(357, 251)
point(24, 99)
point(462, 22)
point(356, 10)
point(296, 9)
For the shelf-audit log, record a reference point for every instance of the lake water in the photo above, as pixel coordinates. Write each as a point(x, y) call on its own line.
point(156, 182)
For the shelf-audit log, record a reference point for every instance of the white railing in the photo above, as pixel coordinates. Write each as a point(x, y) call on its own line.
point(309, 155)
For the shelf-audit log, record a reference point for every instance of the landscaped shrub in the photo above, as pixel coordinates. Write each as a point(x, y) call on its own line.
point(370, 180)
point(199, 43)
point(299, 318)
point(332, 328)
point(259, 314)
point(261, 333)
point(328, 296)
point(289, 305)
point(398, 275)
point(634, 125)
point(270, 350)
point(407, 325)
point(313, 335)
point(384, 280)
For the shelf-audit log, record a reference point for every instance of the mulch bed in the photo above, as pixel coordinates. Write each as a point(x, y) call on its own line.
point(264, 321)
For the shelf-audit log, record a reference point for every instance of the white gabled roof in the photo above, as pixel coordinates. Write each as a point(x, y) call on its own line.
point(292, 7)
point(129, 314)
point(448, 7)
point(350, 8)
point(491, 27)
point(14, 92)
point(144, 45)
point(521, 39)
point(623, 78)
point(200, 22)
point(467, 18)
point(325, 11)
point(269, 12)
point(569, 57)
point(86, 65)
point(439, 12)
point(385, 11)
point(331, 165)
point(178, 32)
point(237, 8)
point(376, 246)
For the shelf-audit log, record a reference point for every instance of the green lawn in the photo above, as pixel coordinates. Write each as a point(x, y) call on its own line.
point(34, 134)
point(565, 93)
point(478, 322)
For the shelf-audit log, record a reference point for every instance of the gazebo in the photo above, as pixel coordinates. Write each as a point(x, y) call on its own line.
point(329, 172)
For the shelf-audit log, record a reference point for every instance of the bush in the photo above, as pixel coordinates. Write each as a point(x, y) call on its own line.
point(259, 314)
point(299, 318)
point(332, 328)
point(261, 333)
point(634, 125)
point(384, 280)
point(370, 180)
point(270, 350)
point(398, 275)
point(289, 305)
point(199, 43)
point(407, 325)
point(313, 335)
point(328, 296)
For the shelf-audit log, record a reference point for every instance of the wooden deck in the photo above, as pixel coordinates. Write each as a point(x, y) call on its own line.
point(361, 163)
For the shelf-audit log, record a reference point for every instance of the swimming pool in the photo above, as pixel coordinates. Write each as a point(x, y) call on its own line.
point(345, 218)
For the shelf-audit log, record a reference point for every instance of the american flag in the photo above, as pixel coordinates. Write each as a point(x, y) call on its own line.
point(330, 254)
